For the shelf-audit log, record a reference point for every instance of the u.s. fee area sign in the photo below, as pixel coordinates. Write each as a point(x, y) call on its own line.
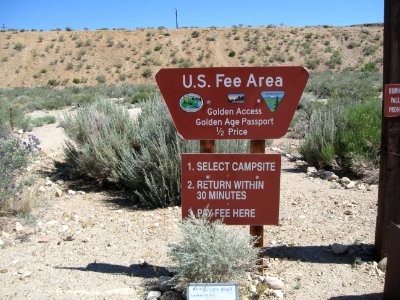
point(232, 103)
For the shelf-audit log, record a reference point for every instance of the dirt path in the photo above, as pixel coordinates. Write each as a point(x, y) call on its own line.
point(95, 245)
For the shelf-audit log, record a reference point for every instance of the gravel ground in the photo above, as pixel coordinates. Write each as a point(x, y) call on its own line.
point(95, 245)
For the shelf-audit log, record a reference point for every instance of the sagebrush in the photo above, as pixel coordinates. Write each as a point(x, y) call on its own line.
point(212, 252)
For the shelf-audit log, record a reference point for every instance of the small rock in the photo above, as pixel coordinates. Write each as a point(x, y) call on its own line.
point(68, 238)
point(361, 187)
point(42, 189)
point(311, 171)
point(71, 192)
point(3, 270)
point(51, 222)
point(345, 180)
point(81, 193)
point(156, 224)
point(170, 295)
point(334, 185)
point(19, 227)
point(64, 228)
point(382, 264)
point(44, 240)
point(25, 275)
point(5, 234)
point(277, 294)
point(20, 131)
point(86, 240)
point(332, 177)
point(350, 185)
point(1, 243)
point(153, 295)
point(165, 283)
point(339, 249)
point(58, 192)
point(274, 283)
point(48, 182)
point(253, 289)
point(372, 187)
point(380, 273)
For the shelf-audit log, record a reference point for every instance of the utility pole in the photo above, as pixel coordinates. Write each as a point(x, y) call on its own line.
point(387, 235)
point(176, 18)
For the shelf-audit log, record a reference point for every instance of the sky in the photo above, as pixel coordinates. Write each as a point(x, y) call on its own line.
point(81, 14)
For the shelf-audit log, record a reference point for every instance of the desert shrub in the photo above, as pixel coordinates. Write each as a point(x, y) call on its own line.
point(147, 73)
point(231, 53)
point(336, 135)
point(143, 154)
point(369, 50)
point(14, 157)
point(318, 147)
point(354, 86)
point(370, 67)
point(152, 167)
point(356, 141)
point(335, 60)
point(98, 133)
point(19, 46)
point(195, 34)
point(212, 252)
point(101, 79)
point(19, 118)
point(76, 80)
point(53, 82)
point(311, 63)
point(40, 121)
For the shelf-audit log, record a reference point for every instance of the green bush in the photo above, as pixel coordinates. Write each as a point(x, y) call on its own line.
point(231, 53)
point(147, 73)
point(195, 34)
point(20, 120)
point(318, 147)
point(353, 86)
point(40, 121)
point(19, 46)
point(101, 79)
point(212, 252)
point(98, 133)
point(14, 157)
point(359, 138)
point(143, 154)
point(335, 60)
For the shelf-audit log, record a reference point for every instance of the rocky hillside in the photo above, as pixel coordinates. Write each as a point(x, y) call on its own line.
point(60, 58)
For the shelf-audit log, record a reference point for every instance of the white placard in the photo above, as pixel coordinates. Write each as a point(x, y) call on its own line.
point(213, 291)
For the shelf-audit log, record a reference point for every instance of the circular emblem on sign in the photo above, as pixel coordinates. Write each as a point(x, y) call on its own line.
point(191, 102)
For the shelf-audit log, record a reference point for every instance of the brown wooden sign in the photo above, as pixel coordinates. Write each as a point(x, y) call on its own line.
point(392, 100)
point(241, 189)
point(232, 103)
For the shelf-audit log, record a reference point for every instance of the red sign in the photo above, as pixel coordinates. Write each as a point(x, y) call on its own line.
point(232, 103)
point(241, 189)
point(392, 100)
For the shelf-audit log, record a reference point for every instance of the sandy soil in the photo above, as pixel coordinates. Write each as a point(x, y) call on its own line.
point(96, 245)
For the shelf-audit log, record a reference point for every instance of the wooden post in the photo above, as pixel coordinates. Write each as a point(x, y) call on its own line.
point(11, 118)
point(207, 146)
point(258, 146)
point(389, 176)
